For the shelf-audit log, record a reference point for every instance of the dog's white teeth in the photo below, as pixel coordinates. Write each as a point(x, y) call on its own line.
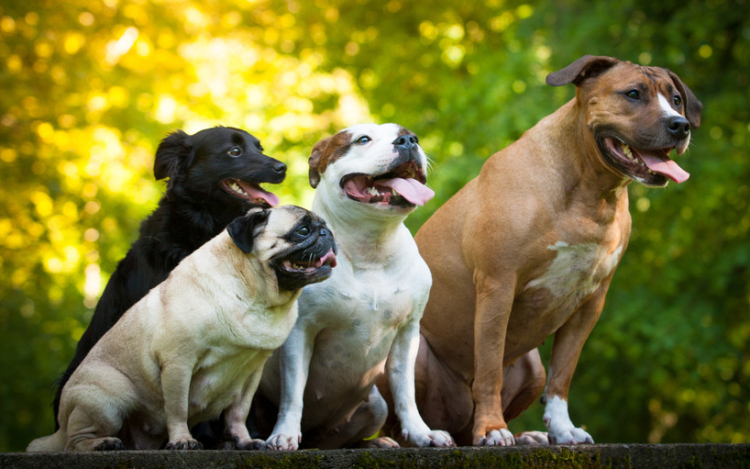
point(628, 152)
point(236, 187)
point(393, 192)
point(372, 191)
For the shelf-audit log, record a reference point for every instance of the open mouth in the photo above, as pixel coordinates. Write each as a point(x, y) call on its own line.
point(404, 186)
point(309, 265)
point(249, 191)
point(648, 166)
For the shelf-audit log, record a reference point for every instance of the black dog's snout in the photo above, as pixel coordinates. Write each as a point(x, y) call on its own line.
point(279, 167)
point(406, 142)
point(325, 232)
point(679, 127)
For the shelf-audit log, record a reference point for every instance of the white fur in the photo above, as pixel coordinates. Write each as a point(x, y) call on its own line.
point(575, 273)
point(666, 108)
point(561, 429)
point(365, 315)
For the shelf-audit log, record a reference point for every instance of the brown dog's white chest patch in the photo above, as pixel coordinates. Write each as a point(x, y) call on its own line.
point(575, 273)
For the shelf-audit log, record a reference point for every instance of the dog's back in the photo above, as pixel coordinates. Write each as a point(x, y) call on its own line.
point(188, 215)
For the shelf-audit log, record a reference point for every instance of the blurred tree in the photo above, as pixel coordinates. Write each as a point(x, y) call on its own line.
point(91, 88)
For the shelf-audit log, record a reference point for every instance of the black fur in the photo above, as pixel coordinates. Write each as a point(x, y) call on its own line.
point(194, 209)
point(242, 230)
point(307, 247)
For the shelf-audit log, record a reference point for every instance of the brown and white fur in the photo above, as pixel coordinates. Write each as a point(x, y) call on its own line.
point(528, 249)
point(195, 345)
point(365, 319)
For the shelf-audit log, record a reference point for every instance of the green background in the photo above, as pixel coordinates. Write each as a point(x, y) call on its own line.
point(89, 89)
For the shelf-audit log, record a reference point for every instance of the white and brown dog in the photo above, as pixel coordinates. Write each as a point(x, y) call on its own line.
point(528, 249)
point(195, 345)
point(365, 319)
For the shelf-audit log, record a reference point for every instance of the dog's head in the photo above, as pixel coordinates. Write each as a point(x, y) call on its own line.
point(295, 243)
point(380, 166)
point(221, 163)
point(637, 114)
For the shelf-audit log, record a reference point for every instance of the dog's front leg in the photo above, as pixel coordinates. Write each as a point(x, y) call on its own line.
point(175, 388)
point(493, 306)
point(400, 368)
point(296, 354)
point(566, 349)
point(236, 416)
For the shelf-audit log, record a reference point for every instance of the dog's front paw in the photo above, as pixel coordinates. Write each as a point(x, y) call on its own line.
point(435, 438)
point(281, 442)
point(560, 427)
point(499, 437)
point(569, 436)
point(184, 444)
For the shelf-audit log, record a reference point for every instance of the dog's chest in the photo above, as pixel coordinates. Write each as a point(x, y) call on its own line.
point(575, 272)
point(375, 301)
point(219, 378)
point(363, 312)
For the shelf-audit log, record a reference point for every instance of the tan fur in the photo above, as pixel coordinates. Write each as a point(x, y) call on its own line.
point(527, 250)
point(192, 348)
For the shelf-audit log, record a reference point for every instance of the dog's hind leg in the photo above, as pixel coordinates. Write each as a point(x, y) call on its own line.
point(91, 427)
point(365, 421)
point(523, 383)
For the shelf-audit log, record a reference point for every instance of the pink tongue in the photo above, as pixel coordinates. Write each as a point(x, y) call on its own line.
point(410, 189)
point(665, 166)
point(255, 193)
point(330, 258)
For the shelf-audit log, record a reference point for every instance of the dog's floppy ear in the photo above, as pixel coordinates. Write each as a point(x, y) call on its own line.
point(170, 153)
point(693, 107)
point(243, 229)
point(586, 67)
point(315, 161)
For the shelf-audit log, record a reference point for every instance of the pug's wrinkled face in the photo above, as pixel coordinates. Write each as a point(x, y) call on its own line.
point(295, 243)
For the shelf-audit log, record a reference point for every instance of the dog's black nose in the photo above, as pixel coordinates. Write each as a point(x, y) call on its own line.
point(679, 127)
point(279, 167)
point(325, 232)
point(406, 141)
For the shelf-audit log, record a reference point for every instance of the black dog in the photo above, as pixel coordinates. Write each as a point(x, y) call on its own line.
point(213, 179)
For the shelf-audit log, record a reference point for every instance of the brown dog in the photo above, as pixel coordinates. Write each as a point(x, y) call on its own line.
point(529, 247)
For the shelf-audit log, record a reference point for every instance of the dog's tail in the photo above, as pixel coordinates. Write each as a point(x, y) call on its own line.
point(52, 443)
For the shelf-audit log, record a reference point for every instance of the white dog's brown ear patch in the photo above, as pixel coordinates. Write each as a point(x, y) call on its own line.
point(243, 229)
point(326, 152)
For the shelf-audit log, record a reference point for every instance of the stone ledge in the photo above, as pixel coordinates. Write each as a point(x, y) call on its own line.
point(688, 456)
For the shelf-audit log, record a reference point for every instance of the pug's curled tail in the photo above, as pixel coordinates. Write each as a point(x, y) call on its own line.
point(51, 443)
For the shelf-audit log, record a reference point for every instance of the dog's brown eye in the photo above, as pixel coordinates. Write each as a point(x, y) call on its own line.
point(363, 139)
point(303, 231)
point(633, 94)
point(677, 101)
point(235, 152)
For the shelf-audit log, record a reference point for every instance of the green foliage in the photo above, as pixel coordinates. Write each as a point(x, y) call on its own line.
point(91, 87)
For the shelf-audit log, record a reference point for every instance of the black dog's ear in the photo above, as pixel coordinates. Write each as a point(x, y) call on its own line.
point(693, 107)
point(243, 229)
point(586, 67)
point(172, 150)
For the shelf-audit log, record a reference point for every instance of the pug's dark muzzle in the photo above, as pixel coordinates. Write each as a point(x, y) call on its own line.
point(310, 261)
